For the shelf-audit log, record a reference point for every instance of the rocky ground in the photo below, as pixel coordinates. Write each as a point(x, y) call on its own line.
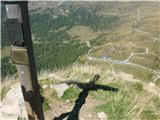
point(13, 106)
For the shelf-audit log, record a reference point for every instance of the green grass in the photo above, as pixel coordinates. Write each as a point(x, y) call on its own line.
point(156, 102)
point(8, 68)
point(149, 115)
point(71, 94)
point(84, 33)
point(126, 105)
point(137, 73)
point(5, 87)
point(158, 82)
point(46, 105)
point(49, 96)
point(117, 106)
point(46, 81)
point(4, 91)
point(137, 86)
point(148, 60)
point(131, 102)
point(103, 95)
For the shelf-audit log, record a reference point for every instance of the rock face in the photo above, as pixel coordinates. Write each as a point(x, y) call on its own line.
point(13, 104)
point(60, 88)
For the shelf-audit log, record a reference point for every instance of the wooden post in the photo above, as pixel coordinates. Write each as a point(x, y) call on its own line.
point(23, 56)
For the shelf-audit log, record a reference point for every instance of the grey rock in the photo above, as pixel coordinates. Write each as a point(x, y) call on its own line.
point(60, 88)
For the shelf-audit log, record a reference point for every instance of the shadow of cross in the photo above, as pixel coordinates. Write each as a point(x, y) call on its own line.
point(74, 114)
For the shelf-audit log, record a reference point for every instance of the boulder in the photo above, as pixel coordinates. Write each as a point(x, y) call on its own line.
point(13, 104)
point(60, 88)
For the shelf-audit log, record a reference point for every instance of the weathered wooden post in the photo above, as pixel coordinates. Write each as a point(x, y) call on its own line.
point(22, 55)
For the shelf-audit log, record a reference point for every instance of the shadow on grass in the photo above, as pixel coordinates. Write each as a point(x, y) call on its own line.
point(74, 114)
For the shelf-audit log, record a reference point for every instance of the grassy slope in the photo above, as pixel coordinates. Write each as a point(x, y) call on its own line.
point(132, 102)
point(83, 32)
point(134, 35)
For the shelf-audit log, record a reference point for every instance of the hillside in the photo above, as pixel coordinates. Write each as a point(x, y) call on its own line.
point(74, 41)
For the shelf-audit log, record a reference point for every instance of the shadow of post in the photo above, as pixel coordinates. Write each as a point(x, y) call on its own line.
point(74, 114)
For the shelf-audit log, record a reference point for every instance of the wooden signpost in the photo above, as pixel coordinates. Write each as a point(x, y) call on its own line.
point(23, 57)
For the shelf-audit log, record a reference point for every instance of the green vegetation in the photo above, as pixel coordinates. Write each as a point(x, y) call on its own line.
point(137, 72)
point(43, 23)
point(98, 40)
point(149, 115)
point(131, 102)
point(46, 82)
point(49, 95)
point(156, 101)
point(127, 104)
point(101, 94)
point(149, 60)
point(158, 82)
point(54, 54)
point(71, 93)
point(5, 87)
point(83, 32)
point(125, 107)
point(117, 107)
point(45, 105)
point(56, 48)
point(138, 86)
point(7, 68)
point(4, 91)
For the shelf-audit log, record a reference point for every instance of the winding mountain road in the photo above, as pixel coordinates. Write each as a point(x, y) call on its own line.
point(125, 62)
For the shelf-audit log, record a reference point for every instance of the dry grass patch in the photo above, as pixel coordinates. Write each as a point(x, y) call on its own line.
point(83, 32)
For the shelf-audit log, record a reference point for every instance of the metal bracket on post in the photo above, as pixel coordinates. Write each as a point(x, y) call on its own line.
point(15, 32)
point(23, 56)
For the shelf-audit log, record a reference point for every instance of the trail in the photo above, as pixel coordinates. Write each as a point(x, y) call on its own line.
point(141, 53)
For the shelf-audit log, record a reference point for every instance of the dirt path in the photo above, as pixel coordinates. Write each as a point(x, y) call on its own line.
point(86, 113)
